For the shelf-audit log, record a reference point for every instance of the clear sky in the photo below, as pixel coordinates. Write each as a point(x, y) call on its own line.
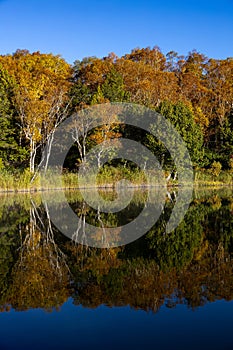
point(76, 29)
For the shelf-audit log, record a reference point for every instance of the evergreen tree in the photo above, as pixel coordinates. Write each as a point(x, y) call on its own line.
point(113, 87)
point(10, 150)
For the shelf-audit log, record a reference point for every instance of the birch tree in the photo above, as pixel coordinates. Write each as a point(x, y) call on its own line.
point(40, 94)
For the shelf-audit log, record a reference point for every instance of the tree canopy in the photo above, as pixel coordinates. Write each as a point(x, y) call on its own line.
point(194, 92)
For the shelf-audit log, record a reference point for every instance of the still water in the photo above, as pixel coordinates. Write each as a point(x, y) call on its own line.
point(162, 291)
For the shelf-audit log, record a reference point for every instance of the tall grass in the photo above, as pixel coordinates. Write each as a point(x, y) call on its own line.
point(20, 180)
point(205, 177)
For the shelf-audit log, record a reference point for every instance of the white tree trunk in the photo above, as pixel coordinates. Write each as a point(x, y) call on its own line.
point(32, 155)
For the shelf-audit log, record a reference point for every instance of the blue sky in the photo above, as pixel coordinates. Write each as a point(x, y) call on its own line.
point(76, 29)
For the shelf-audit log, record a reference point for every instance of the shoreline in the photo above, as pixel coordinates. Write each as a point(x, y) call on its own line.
point(113, 187)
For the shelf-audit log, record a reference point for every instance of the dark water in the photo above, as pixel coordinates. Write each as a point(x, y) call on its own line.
point(162, 291)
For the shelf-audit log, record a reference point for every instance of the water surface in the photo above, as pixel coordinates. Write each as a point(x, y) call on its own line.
point(163, 290)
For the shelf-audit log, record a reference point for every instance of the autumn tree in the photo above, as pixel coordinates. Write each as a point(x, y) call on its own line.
point(145, 77)
point(39, 94)
point(219, 82)
point(150, 57)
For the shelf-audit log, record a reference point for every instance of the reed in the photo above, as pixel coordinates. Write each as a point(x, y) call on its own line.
point(108, 177)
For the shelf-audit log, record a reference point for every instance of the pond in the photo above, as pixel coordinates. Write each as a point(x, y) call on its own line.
point(163, 290)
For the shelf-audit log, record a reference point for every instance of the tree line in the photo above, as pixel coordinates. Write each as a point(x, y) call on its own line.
point(38, 91)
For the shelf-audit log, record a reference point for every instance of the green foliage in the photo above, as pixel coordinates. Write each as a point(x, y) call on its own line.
point(11, 152)
point(113, 87)
point(80, 95)
point(216, 168)
point(182, 119)
point(231, 164)
point(177, 248)
point(98, 97)
point(226, 151)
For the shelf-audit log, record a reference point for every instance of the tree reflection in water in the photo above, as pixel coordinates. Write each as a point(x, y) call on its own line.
point(40, 268)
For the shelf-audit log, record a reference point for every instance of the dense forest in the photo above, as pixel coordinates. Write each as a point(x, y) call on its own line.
point(37, 91)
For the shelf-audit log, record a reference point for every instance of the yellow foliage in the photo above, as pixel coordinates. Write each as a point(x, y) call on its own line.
point(41, 88)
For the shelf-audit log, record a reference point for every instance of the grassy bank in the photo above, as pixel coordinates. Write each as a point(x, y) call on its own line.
point(204, 177)
point(20, 181)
